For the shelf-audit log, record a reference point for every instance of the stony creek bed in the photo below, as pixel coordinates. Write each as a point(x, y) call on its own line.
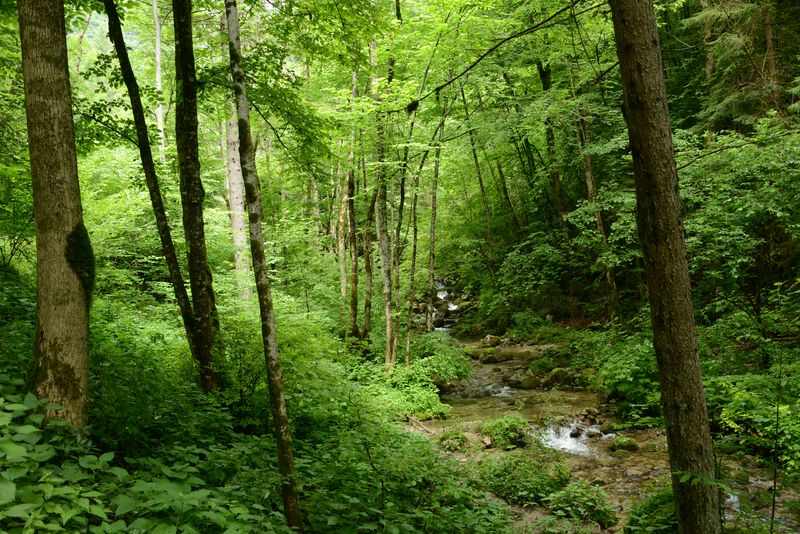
point(581, 427)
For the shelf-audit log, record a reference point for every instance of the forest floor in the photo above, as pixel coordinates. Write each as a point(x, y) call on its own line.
point(627, 463)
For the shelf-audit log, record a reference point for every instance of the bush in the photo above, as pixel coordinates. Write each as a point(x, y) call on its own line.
point(507, 432)
point(526, 476)
point(578, 500)
point(655, 515)
point(453, 441)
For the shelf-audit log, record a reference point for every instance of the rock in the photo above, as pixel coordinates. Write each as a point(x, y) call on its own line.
point(635, 471)
point(594, 433)
point(493, 356)
point(576, 432)
point(621, 453)
point(559, 378)
point(598, 482)
point(607, 427)
point(490, 341)
point(487, 442)
point(623, 443)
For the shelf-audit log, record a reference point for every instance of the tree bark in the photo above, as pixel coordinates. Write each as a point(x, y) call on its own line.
point(504, 189)
point(658, 212)
point(151, 178)
point(236, 207)
point(476, 162)
point(351, 211)
point(368, 270)
point(192, 195)
point(65, 262)
point(432, 246)
point(545, 75)
point(280, 419)
point(162, 138)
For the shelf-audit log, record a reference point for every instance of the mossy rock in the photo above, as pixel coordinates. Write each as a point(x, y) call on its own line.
point(558, 378)
point(543, 365)
point(492, 355)
point(623, 443)
point(453, 441)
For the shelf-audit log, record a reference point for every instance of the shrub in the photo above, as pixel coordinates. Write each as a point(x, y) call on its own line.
point(525, 477)
point(453, 441)
point(578, 500)
point(655, 515)
point(507, 432)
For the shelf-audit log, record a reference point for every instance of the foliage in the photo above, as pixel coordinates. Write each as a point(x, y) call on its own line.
point(580, 501)
point(655, 514)
point(525, 476)
point(507, 432)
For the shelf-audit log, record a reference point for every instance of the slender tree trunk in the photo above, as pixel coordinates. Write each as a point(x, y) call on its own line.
point(432, 245)
point(545, 75)
point(192, 195)
point(280, 419)
point(341, 234)
point(315, 213)
point(707, 34)
point(591, 196)
point(237, 208)
point(474, 148)
point(351, 210)
point(65, 262)
point(504, 189)
point(151, 178)
point(384, 247)
point(658, 213)
point(772, 66)
point(162, 143)
point(368, 271)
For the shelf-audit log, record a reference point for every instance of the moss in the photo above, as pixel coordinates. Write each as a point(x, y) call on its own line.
point(80, 257)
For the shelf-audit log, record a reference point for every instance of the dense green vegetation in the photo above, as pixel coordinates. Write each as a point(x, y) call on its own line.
point(509, 181)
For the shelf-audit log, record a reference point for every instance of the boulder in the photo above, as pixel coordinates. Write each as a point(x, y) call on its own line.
point(490, 341)
point(623, 443)
point(493, 356)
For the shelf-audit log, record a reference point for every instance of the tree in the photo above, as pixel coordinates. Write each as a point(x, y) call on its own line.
point(658, 214)
point(65, 261)
point(280, 419)
point(206, 323)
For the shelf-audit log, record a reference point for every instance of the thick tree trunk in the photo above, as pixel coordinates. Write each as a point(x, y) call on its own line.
point(151, 178)
point(280, 419)
point(192, 195)
point(658, 211)
point(162, 138)
point(65, 262)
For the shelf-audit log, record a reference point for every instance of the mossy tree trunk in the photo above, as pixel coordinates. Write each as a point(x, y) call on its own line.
point(280, 419)
point(65, 262)
point(658, 214)
point(206, 322)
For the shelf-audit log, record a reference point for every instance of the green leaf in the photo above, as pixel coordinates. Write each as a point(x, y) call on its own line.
point(13, 452)
point(30, 401)
point(19, 510)
point(24, 429)
point(106, 457)
point(118, 472)
point(88, 461)
point(8, 491)
point(125, 504)
point(165, 529)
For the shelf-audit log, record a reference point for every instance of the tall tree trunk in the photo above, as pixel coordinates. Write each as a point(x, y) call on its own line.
point(151, 178)
point(384, 247)
point(504, 189)
point(772, 66)
point(315, 213)
point(707, 34)
point(341, 235)
point(368, 271)
point(545, 75)
point(192, 195)
point(591, 196)
point(351, 211)
point(162, 142)
point(432, 245)
point(237, 208)
point(280, 419)
point(65, 262)
point(473, 146)
point(658, 214)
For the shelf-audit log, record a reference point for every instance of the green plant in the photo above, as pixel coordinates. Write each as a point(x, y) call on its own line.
point(525, 476)
point(453, 441)
point(654, 515)
point(507, 432)
point(579, 500)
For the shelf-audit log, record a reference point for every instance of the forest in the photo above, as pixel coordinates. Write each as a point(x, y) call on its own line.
point(444, 266)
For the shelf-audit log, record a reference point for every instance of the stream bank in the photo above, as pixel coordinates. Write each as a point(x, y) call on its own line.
point(511, 379)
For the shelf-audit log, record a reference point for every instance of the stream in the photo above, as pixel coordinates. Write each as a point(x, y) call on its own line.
point(576, 423)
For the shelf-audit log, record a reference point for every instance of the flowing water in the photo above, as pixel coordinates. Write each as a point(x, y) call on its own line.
point(577, 424)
